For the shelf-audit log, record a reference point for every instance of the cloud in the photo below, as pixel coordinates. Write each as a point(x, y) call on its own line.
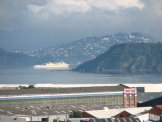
point(57, 7)
point(54, 22)
point(115, 4)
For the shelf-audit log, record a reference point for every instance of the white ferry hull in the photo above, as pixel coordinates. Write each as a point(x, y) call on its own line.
point(53, 66)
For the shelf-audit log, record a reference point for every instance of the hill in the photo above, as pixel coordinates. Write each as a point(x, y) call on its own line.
point(127, 58)
point(73, 53)
point(87, 48)
point(10, 59)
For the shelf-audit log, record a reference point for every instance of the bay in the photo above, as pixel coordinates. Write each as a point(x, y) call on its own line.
point(36, 76)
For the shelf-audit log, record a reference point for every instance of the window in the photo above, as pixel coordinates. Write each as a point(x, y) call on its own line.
point(133, 100)
point(128, 99)
point(44, 119)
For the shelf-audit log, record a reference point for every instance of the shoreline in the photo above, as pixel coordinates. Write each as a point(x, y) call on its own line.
point(149, 87)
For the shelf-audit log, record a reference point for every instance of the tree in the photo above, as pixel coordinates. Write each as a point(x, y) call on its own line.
point(22, 87)
point(75, 114)
point(25, 87)
point(31, 86)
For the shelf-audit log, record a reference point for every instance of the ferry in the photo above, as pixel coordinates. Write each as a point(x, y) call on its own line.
point(54, 66)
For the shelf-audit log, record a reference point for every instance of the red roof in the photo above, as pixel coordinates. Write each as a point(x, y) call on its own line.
point(156, 110)
point(159, 106)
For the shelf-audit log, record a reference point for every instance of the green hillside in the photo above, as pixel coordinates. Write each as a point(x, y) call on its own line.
point(127, 58)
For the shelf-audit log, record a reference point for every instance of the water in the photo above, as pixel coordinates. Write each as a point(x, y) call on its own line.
point(34, 76)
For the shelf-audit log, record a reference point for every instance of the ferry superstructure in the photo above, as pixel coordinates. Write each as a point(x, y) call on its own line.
point(54, 65)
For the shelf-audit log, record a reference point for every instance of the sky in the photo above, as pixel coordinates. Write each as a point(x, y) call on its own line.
point(33, 24)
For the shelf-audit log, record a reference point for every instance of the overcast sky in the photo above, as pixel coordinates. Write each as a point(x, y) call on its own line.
point(27, 24)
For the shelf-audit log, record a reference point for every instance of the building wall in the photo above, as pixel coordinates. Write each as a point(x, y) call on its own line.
point(130, 97)
point(11, 119)
point(78, 119)
point(112, 100)
point(154, 117)
point(143, 117)
point(50, 118)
